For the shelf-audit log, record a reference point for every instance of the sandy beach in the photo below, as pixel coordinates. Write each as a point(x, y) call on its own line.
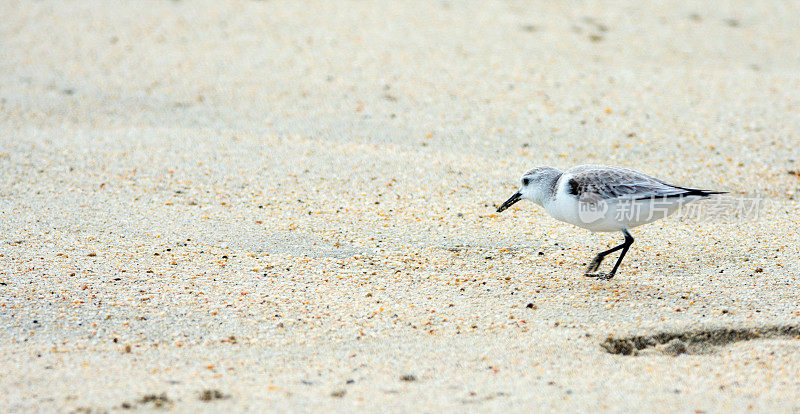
point(286, 206)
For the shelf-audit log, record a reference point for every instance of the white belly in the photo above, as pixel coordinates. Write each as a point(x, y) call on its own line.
point(616, 214)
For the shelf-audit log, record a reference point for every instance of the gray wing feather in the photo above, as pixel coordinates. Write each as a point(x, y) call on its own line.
point(614, 182)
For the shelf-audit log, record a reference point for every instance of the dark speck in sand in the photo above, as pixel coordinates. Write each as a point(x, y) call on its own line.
point(157, 400)
point(212, 395)
point(732, 22)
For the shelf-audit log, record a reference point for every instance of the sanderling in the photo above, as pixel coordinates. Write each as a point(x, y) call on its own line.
point(602, 198)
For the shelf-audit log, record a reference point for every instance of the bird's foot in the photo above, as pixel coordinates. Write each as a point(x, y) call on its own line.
point(594, 265)
point(600, 275)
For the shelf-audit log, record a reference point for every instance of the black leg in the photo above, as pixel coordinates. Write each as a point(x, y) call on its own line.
point(598, 259)
point(628, 242)
point(595, 264)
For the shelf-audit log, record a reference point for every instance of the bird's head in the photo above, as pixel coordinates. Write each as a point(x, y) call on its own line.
point(536, 185)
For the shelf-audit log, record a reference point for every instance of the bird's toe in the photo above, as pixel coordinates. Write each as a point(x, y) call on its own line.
point(600, 275)
point(594, 265)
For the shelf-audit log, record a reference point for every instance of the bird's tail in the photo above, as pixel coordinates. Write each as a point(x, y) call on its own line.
point(686, 192)
point(700, 193)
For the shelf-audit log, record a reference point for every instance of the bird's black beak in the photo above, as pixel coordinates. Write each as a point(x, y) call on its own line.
point(514, 198)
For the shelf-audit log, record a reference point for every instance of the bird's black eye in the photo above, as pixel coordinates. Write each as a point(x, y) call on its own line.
point(525, 182)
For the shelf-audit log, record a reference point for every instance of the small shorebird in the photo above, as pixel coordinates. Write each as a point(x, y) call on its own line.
point(603, 198)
